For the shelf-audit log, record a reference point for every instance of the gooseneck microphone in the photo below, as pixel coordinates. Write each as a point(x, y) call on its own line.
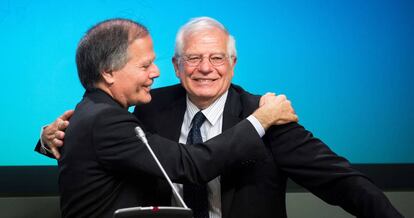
point(141, 135)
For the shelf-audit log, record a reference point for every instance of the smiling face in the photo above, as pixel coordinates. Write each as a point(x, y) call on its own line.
point(205, 83)
point(131, 84)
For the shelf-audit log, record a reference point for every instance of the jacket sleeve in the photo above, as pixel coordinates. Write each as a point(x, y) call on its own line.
point(41, 150)
point(118, 149)
point(311, 163)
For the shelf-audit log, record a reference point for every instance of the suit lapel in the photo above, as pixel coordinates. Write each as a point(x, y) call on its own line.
point(171, 119)
point(232, 115)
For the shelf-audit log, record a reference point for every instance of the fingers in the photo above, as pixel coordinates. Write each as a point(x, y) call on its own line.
point(276, 110)
point(65, 116)
point(289, 119)
point(56, 143)
point(54, 147)
point(57, 140)
point(60, 135)
point(55, 153)
point(289, 114)
point(295, 118)
point(286, 111)
point(281, 97)
point(54, 134)
point(62, 124)
point(266, 98)
point(48, 134)
point(54, 140)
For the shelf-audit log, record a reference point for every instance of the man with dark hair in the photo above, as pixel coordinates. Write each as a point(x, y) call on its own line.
point(104, 166)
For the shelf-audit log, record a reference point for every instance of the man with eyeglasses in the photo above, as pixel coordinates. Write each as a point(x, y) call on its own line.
point(194, 60)
point(204, 60)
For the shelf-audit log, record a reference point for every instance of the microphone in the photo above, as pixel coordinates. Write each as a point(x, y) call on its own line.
point(141, 135)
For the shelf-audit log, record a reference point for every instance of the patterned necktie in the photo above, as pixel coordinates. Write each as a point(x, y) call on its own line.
point(196, 195)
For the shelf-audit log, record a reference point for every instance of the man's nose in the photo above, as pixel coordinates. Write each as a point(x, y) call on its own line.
point(205, 66)
point(155, 72)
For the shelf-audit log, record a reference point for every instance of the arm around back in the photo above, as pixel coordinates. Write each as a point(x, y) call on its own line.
point(118, 148)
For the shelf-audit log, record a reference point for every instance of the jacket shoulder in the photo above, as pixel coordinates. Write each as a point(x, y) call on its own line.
point(161, 98)
point(249, 102)
point(166, 96)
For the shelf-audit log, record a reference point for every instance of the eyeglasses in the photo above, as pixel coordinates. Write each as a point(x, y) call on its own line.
point(195, 60)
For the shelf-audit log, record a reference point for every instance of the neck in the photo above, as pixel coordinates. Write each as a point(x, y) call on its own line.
point(202, 103)
point(110, 92)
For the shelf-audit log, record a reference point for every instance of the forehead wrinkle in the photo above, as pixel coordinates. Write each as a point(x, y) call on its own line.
point(205, 41)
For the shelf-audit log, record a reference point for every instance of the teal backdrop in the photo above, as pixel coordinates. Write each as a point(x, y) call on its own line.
point(347, 66)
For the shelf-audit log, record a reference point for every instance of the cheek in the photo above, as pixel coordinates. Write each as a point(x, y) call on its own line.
point(187, 71)
point(185, 78)
point(229, 74)
point(141, 77)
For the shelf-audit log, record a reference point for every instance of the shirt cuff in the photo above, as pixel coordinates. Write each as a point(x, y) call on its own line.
point(44, 149)
point(259, 128)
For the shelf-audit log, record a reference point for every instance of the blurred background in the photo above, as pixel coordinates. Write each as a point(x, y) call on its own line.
point(347, 66)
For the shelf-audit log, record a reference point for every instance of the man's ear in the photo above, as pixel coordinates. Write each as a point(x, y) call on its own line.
point(176, 64)
point(108, 77)
point(234, 61)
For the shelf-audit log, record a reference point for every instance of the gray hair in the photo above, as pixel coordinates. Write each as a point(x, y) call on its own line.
point(105, 48)
point(202, 23)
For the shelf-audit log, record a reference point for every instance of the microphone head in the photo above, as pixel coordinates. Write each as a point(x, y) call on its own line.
point(140, 133)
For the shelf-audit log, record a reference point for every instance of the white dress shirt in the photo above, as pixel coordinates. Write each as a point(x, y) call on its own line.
point(212, 127)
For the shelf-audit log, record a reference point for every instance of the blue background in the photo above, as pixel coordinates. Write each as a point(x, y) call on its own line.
point(347, 66)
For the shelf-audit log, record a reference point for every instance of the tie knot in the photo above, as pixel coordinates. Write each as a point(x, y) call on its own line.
point(198, 120)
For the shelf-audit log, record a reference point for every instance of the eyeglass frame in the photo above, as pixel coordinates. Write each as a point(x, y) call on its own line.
point(184, 58)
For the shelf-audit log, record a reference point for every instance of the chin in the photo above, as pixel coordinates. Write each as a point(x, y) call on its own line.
point(204, 91)
point(206, 94)
point(143, 100)
point(147, 100)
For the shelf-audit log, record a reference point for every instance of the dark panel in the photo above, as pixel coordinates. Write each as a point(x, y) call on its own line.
point(28, 181)
point(42, 180)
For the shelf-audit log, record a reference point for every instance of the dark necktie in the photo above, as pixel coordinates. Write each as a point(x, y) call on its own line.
point(196, 195)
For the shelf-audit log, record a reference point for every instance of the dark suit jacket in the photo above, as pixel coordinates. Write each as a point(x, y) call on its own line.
point(259, 190)
point(104, 166)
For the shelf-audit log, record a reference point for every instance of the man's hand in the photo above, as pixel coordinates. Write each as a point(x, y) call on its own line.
point(275, 110)
point(54, 133)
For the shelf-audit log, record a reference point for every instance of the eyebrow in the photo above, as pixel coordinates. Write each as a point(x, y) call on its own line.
point(215, 53)
point(148, 61)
